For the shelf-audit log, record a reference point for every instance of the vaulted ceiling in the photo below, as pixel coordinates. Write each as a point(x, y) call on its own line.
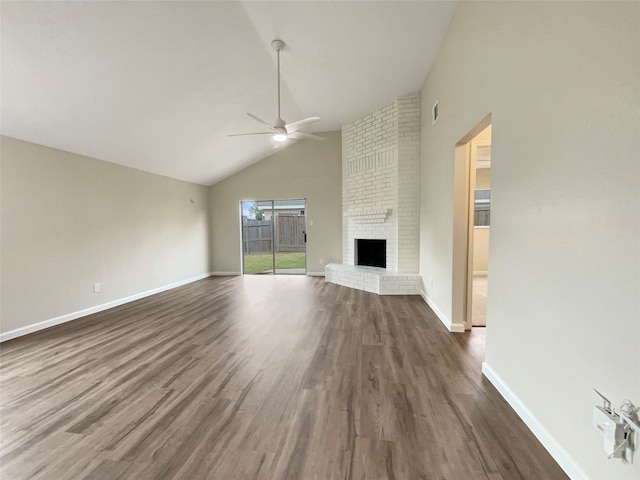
point(158, 86)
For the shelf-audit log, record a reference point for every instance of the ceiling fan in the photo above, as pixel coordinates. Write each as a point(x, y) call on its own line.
point(280, 130)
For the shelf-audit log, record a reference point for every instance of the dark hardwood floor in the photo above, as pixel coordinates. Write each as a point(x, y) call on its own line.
point(263, 377)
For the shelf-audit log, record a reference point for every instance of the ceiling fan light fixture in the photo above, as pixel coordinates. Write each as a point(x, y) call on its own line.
point(280, 137)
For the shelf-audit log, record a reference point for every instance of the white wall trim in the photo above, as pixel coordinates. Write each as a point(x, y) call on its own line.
point(452, 327)
point(19, 332)
point(559, 454)
point(315, 274)
point(225, 274)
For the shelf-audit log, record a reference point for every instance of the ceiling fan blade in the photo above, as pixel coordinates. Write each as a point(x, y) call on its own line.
point(295, 126)
point(308, 136)
point(254, 133)
point(261, 121)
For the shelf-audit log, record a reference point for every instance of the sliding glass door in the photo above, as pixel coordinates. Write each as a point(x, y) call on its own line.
point(274, 236)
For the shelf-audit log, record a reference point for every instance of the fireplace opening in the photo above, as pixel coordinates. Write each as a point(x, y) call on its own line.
point(371, 253)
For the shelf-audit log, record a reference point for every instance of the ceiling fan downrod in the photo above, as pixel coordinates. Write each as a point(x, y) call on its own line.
point(277, 46)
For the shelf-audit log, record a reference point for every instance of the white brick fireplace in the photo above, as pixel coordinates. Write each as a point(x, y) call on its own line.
point(380, 197)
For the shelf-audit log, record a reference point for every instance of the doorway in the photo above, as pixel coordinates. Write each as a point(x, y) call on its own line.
point(472, 220)
point(274, 237)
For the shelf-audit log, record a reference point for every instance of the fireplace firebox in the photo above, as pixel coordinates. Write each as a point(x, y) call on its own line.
point(371, 253)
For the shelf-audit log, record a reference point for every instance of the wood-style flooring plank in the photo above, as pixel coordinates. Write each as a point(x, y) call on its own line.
point(259, 377)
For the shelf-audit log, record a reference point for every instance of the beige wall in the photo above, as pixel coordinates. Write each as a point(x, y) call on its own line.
point(483, 178)
point(483, 137)
point(480, 250)
point(561, 82)
point(70, 221)
point(305, 169)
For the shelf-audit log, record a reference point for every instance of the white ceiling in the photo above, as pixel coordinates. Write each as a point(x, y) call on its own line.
point(158, 86)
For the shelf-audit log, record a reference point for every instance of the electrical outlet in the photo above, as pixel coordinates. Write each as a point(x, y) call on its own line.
point(96, 288)
point(320, 261)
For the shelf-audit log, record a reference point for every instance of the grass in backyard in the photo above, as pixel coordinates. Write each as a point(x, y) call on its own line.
point(260, 262)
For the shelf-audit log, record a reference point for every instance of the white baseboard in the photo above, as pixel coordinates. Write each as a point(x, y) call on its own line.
point(452, 327)
point(19, 332)
point(559, 454)
point(229, 274)
point(315, 274)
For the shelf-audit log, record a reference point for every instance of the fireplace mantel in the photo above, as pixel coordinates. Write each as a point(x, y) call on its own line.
point(368, 215)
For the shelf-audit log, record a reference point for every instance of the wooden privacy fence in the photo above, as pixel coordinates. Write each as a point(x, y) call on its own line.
point(481, 218)
point(256, 235)
point(289, 230)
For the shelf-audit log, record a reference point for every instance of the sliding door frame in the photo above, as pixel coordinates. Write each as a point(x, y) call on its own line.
point(274, 234)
